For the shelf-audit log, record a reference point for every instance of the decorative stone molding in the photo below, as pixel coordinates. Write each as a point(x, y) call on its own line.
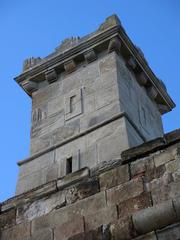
point(70, 66)
point(114, 45)
point(29, 86)
point(30, 62)
point(90, 56)
point(51, 75)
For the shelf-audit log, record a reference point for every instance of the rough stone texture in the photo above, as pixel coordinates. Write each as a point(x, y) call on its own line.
point(20, 231)
point(125, 191)
point(100, 203)
point(68, 229)
point(114, 177)
point(154, 218)
point(169, 233)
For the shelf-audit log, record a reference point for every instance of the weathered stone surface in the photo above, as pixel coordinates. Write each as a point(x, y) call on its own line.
point(84, 207)
point(45, 234)
point(7, 218)
point(70, 66)
point(169, 233)
point(139, 167)
point(125, 191)
point(20, 231)
point(149, 236)
point(173, 166)
point(82, 190)
point(40, 207)
point(144, 149)
point(132, 205)
point(154, 217)
point(122, 229)
point(163, 158)
point(68, 229)
point(73, 178)
point(164, 188)
point(104, 216)
point(101, 233)
point(114, 177)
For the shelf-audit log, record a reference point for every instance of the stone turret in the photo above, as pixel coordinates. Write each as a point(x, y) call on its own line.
point(93, 98)
point(100, 167)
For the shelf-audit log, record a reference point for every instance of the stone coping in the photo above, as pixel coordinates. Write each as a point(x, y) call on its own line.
point(151, 146)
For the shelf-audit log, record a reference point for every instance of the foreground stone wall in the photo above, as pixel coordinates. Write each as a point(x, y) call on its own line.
point(134, 197)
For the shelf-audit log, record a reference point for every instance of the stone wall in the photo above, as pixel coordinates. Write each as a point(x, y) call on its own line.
point(134, 197)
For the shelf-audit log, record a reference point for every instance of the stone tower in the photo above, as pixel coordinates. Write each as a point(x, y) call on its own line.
point(101, 167)
point(93, 98)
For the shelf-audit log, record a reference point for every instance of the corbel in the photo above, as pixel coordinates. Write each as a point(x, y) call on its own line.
point(114, 45)
point(142, 79)
point(29, 86)
point(51, 75)
point(132, 63)
point(90, 56)
point(152, 92)
point(70, 66)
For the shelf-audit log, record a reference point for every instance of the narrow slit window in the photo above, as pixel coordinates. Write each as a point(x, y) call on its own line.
point(69, 165)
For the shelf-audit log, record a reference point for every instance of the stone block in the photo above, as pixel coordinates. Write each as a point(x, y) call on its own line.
point(73, 178)
point(36, 164)
point(176, 203)
point(20, 231)
point(107, 63)
point(173, 166)
point(69, 229)
point(52, 173)
point(31, 181)
point(169, 233)
point(45, 234)
point(7, 218)
point(154, 218)
point(101, 233)
point(148, 236)
point(84, 207)
point(82, 190)
point(114, 177)
point(104, 216)
point(122, 229)
point(125, 191)
point(132, 205)
point(163, 158)
point(162, 190)
point(38, 208)
point(176, 176)
point(141, 166)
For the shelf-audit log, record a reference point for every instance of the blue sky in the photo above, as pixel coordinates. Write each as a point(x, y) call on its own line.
point(36, 27)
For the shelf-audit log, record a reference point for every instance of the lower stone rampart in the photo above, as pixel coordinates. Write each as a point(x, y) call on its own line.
point(134, 197)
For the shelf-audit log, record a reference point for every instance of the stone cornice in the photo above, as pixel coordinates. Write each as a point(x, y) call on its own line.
point(104, 39)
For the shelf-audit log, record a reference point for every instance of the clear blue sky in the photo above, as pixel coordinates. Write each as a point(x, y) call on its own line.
point(36, 27)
